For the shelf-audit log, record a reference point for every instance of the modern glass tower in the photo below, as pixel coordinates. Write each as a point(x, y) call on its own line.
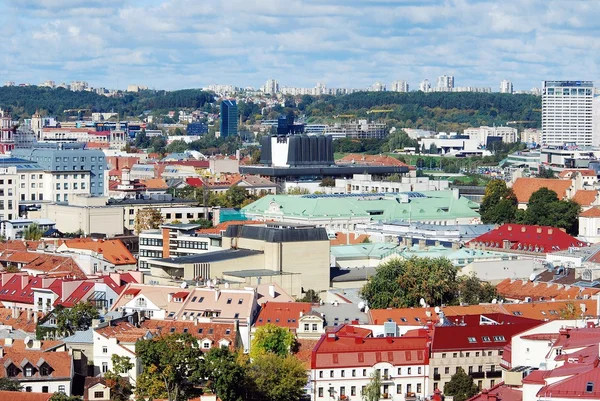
point(567, 113)
point(229, 118)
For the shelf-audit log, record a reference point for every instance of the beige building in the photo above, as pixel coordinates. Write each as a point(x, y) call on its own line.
point(293, 256)
point(508, 134)
point(114, 217)
point(9, 205)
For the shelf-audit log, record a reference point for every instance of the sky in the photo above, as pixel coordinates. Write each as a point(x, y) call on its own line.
point(174, 44)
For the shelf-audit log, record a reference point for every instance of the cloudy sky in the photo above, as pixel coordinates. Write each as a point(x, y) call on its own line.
point(171, 44)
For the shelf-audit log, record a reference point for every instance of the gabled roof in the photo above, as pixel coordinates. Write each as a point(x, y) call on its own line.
point(539, 239)
point(575, 386)
point(591, 213)
point(24, 320)
point(194, 182)
point(522, 289)
point(60, 361)
point(124, 332)
point(24, 396)
point(585, 197)
point(81, 294)
point(348, 239)
point(500, 393)
point(282, 314)
point(155, 183)
point(113, 250)
point(586, 172)
point(524, 187)
point(55, 266)
point(214, 332)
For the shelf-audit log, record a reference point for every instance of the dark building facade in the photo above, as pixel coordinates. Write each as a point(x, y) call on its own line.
point(229, 118)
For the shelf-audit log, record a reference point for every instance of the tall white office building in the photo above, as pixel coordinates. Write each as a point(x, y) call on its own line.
point(506, 86)
point(399, 86)
point(425, 86)
point(271, 87)
point(567, 113)
point(377, 87)
point(445, 83)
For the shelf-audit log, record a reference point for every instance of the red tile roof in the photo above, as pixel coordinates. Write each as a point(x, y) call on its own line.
point(24, 321)
point(60, 362)
point(113, 250)
point(214, 332)
point(304, 351)
point(592, 212)
point(348, 239)
point(524, 187)
point(575, 386)
point(500, 392)
point(585, 197)
point(81, 294)
point(584, 172)
point(194, 182)
point(335, 351)
point(282, 314)
point(522, 289)
point(55, 266)
point(540, 239)
point(24, 396)
point(372, 160)
point(124, 332)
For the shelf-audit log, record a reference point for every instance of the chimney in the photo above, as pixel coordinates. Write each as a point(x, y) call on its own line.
point(24, 281)
point(331, 337)
point(358, 340)
point(28, 314)
point(484, 395)
point(1, 352)
point(170, 297)
point(8, 342)
point(35, 317)
point(350, 329)
point(217, 293)
point(492, 396)
point(15, 312)
point(272, 291)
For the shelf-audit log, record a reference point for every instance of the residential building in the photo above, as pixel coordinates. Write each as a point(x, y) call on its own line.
point(524, 187)
point(531, 136)
point(589, 225)
point(39, 366)
point(481, 134)
point(506, 86)
point(298, 317)
point(229, 118)
point(7, 132)
point(271, 87)
point(9, 200)
point(344, 360)
point(399, 86)
point(361, 129)
point(13, 229)
point(567, 113)
point(377, 87)
point(474, 343)
point(425, 86)
point(72, 169)
point(445, 83)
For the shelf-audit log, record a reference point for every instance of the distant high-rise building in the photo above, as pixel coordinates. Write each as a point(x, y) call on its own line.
point(425, 86)
point(399, 86)
point(78, 86)
point(229, 118)
point(9, 83)
point(506, 86)
point(445, 83)
point(377, 87)
point(567, 108)
point(271, 87)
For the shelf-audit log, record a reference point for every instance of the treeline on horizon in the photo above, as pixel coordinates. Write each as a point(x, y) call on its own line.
point(438, 111)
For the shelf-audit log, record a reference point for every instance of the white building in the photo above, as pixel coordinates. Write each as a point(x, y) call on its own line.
point(567, 113)
point(506, 86)
point(377, 87)
point(13, 229)
point(271, 87)
point(481, 134)
point(425, 86)
point(445, 83)
point(399, 86)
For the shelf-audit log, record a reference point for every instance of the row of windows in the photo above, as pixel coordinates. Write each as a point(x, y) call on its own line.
point(180, 215)
point(151, 254)
point(436, 371)
point(75, 159)
point(61, 389)
point(386, 389)
point(385, 373)
point(193, 245)
point(75, 185)
point(477, 353)
point(151, 241)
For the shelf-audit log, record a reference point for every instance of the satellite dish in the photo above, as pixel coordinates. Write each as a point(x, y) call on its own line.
point(437, 310)
point(183, 285)
point(422, 302)
point(361, 305)
point(428, 313)
point(494, 301)
point(532, 276)
point(27, 341)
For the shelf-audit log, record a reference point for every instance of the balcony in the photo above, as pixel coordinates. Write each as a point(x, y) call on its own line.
point(410, 396)
point(494, 374)
point(477, 375)
point(386, 378)
point(386, 396)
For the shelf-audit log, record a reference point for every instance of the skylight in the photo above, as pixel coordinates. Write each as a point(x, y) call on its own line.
point(472, 339)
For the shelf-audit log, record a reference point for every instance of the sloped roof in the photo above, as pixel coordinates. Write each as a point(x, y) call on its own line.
point(80, 294)
point(113, 250)
point(282, 314)
point(585, 197)
point(124, 332)
point(221, 227)
point(501, 393)
point(195, 182)
point(571, 172)
point(60, 362)
point(348, 239)
point(525, 186)
point(24, 396)
point(22, 322)
point(539, 239)
point(591, 213)
point(155, 183)
point(575, 386)
point(521, 289)
point(371, 160)
point(55, 266)
point(214, 332)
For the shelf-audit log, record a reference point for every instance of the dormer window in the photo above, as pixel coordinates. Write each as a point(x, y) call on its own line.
point(589, 387)
point(228, 301)
point(28, 371)
point(179, 300)
point(44, 370)
point(12, 371)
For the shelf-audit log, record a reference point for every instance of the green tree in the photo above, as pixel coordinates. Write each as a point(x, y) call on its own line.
point(461, 386)
point(204, 223)
point(545, 209)
point(77, 318)
point(277, 378)
point(7, 384)
point(59, 396)
point(272, 339)
point(147, 219)
point(236, 196)
point(226, 375)
point(499, 204)
point(120, 387)
point(310, 296)
point(172, 367)
point(372, 390)
point(177, 147)
point(473, 291)
point(546, 173)
point(382, 290)
point(298, 191)
point(33, 232)
point(327, 182)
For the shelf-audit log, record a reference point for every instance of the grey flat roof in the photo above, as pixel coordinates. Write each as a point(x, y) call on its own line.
point(208, 257)
point(355, 274)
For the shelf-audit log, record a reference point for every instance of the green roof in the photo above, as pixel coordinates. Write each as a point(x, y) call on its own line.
point(435, 205)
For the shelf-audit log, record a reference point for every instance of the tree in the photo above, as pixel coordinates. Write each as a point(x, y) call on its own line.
point(473, 291)
point(226, 377)
point(545, 209)
point(33, 232)
point(499, 204)
point(298, 191)
point(327, 182)
point(120, 387)
point(178, 146)
point(372, 390)
point(77, 318)
point(272, 339)
point(147, 219)
point(461, 386)
point(7, 384)
point(277, 378)
point(402, 283)
point(59, 396)
point(172, 367)
point(236, 196)
point(310, 296)
point(204, 223)
point(546, 173)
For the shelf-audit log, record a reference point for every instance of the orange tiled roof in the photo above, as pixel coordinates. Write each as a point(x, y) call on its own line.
point(124, 332)
point(521, 289)
point(524, 187)
point(282, 314)
point(24, 396)
point(97, 145)
point(22, 322)
point(584, 172)
point(155, 183)
point(593, 212)
point(585, 197)
point(304, 351)
point(60, 362)
point(348, 239)
point(113, 250)
point(214, 332)
point(55, 266)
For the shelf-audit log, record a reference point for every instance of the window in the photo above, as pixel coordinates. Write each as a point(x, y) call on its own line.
point(455, 355)
point(12, 371)
point(61, 388)
point(343, 371)
point(306, 326)
point(419, 388)
point(320, 391)
point(320, 374)
point(589, 387)
point(353, 390)
point(477, 354)
point(342, 390)
point(364, 372)
point(419, 370)
point(104, 367)
point(444, 355)
point(399, 371)
point(499, 338)
point(228, 301)
point(331, 373)
point(105, 349)
point(353, 372)
point(28, 371)
point(99, 394)
point(409, 371)
point(28, 389)
point(314, 327)
point(44, 389)
point(399, 389)
point(44, 370)
point(409, 388)
point(472, 339)
point(446, 370)
point(485, 339)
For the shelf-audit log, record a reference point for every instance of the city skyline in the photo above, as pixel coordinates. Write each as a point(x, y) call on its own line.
point(341, 44)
